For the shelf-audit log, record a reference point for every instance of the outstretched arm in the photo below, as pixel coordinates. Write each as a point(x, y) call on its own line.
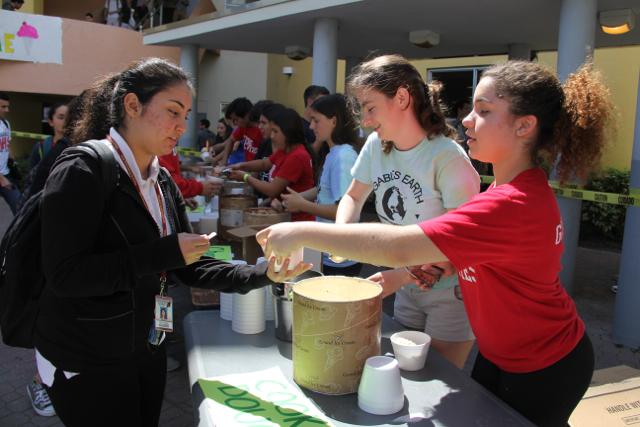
point(378, 244)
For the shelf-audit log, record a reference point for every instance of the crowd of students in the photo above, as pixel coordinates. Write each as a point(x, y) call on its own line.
point(469, 266)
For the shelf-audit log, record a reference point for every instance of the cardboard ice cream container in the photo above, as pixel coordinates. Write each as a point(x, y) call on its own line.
point(336, 327)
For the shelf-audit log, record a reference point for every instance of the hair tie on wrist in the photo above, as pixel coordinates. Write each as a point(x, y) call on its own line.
point(245, 177)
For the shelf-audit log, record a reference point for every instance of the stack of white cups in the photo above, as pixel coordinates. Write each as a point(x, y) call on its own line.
point(226, 299)
point(248, 312)
point(226, 306)
point(269, 314)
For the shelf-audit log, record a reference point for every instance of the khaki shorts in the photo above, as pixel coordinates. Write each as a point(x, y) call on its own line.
point(438, 312)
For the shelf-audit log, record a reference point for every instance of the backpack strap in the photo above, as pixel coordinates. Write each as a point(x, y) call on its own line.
point(108, 164)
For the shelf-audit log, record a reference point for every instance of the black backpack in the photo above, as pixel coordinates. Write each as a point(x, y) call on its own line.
point(21, 274)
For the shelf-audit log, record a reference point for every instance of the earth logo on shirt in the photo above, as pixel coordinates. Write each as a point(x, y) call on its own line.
point(393, 205)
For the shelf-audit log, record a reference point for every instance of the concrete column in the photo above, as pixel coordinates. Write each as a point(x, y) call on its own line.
point(520, 51)
point(325, 53)
point(189, 63)
point(577, 33)
point(626, 316)
point(575, 44)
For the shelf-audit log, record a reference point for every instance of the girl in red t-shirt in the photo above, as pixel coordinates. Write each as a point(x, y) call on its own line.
point(290, 165)
point(506, 243)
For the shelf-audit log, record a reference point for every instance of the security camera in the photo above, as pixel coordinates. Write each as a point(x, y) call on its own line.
point(296, 52)
point(287, 71)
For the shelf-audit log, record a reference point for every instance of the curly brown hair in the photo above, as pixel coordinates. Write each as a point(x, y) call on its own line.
point(574, 118)
point(388, 73)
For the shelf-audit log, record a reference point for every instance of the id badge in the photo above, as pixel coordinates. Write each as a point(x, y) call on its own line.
point(164, 313)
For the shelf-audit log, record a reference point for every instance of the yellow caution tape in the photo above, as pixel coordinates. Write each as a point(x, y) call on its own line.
point(569, 191)
point(181, 150)
point(28, 135)
point(572, 191)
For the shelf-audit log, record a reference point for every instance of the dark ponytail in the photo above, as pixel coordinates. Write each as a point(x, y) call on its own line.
point(386, 74)
point(104, 105)
point(573, 119)
point(290, 123)
point(335, 106)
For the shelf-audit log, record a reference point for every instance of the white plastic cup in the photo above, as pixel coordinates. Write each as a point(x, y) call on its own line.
point(295, 258)
point(410, 349)
point(248, 312)
point(226, 306)
point(380, 391)
point(269, 312)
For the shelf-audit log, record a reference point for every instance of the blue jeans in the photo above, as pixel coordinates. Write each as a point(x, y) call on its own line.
point(11, 195)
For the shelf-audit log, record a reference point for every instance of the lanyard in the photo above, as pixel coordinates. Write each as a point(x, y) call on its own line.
point(163, 231)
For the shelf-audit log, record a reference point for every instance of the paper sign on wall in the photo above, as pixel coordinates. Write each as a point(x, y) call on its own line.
point(32, 38)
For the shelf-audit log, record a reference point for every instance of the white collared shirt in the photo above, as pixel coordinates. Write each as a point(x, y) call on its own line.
point(147, 186)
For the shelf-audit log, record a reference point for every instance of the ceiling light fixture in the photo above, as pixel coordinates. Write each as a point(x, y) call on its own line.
point(424, 38)
point(616, 22)
point(296, 53)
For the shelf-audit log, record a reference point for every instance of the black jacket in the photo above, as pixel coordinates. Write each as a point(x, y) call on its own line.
point(102, 262)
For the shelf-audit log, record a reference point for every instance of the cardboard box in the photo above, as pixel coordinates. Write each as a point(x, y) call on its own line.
point(251, 250)
point(612, 400)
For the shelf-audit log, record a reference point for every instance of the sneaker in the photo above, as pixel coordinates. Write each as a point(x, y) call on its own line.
point(40, 400)
point(172, 364)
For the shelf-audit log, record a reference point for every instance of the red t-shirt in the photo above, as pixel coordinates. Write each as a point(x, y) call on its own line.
point(506, 244)
point(250, 138)
point(188, 187)
point(296, 167)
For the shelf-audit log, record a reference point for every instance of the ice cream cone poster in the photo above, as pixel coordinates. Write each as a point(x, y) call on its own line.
point(28, 34)
point(28, 37)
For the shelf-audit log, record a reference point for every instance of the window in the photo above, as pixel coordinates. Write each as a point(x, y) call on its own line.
point(459, 84)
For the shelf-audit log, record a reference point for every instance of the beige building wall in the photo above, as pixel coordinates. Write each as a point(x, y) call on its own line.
point(424, 65)
point(620, 68)
point(288, 90)
point(229, 75)
point(33, 6)
point(25, 114)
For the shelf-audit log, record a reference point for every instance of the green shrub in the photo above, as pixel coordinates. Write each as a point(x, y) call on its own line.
point(604, 220)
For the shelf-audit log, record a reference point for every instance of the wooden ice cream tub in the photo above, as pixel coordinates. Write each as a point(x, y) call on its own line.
point(336, 327)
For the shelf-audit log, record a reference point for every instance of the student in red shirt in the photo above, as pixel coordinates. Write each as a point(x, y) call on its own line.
point(188, 187)
point(505, 243)
point(245, 136)
point(291, 163)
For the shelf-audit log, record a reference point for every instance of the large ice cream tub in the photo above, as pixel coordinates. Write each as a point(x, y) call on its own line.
point(336, 327)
